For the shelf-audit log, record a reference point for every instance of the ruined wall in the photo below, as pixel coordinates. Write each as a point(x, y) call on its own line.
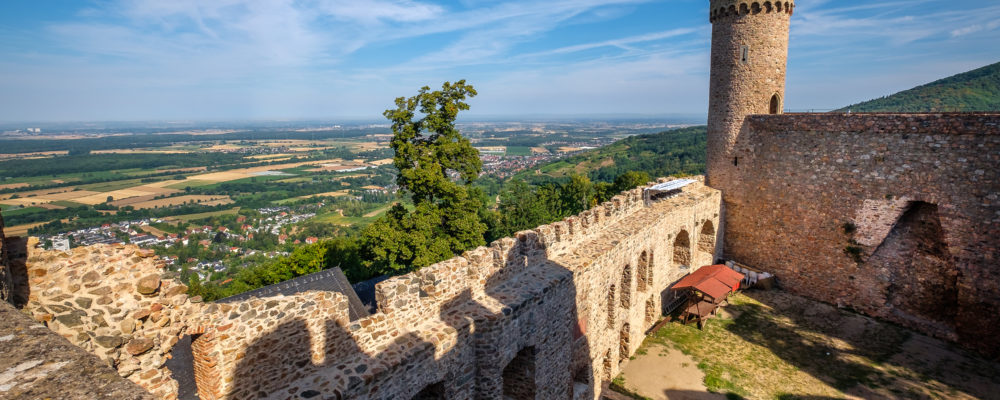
point(550, 312)
point(895, 215)
point(111, 301)
point(35, 363)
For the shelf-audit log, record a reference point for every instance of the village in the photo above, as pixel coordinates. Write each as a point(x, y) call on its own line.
point(205, 249)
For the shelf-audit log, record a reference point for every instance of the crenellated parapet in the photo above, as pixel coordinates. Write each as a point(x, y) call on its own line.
point(421, 293)
point(735, 8)
point(538, 300)
point(113, 301)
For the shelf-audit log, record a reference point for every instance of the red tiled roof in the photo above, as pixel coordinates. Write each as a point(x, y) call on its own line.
point(713, 280)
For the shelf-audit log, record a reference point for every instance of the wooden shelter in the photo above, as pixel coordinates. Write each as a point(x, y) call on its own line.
point(708, 288)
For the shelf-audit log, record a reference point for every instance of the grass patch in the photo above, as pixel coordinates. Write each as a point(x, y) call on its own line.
point(784, 344)
point(66, 203)
point(518, 151)
point(251, 179)
point(296, 179)
point(111, 186)
point(190, 183)
point(10, 211)
point(191, 217)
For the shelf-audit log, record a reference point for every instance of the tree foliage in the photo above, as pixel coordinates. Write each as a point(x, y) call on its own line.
point(976, 90)
point(436, 167)
point(337, 252)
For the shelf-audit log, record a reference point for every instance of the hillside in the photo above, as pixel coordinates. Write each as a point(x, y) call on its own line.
point(976, 90)
point(680, 151)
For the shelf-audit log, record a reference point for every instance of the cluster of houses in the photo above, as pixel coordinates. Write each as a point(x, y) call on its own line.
point(504, 166)
point(118, 232)
point(134, 232)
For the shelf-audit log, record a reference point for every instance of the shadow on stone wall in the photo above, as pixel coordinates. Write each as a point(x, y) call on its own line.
point(490, 327)
point(17, 256)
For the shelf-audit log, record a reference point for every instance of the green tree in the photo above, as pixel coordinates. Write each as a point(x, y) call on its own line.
point(520, 208)
point(630, 180)
point(436, 167)
point(577, 195)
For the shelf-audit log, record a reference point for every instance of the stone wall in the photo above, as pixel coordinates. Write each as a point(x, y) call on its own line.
point(894, 215)
point(552, 311)
point(111, 301)
point(529, 314)
point(35, 363)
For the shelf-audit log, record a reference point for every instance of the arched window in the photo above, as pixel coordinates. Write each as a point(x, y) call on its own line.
point(775, 104)
point(623, 339)
point(642, 273)
point(611, 305)
point(519, 375)
point(682, 250)
point(706, 239)
point(627, 287)
point(650, 310)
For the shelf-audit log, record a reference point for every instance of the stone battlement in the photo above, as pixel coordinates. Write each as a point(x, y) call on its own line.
point(974, 123)
point(550, 311)
point(721, 9)
point(419, 292)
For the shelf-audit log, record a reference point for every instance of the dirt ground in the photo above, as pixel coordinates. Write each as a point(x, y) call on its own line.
point(665, 373)
point(775, 345)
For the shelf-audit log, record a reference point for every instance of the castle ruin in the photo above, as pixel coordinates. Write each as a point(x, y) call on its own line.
point(893, 215)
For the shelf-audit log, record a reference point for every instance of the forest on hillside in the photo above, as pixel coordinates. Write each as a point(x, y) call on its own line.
point(976, 90)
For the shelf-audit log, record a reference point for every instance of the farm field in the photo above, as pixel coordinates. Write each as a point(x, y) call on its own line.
point(519, 151)
point(179, 200)
point(180, 178)
point(191, 217)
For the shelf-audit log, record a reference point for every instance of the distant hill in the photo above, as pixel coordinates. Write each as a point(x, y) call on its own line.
point(976, 90)
point(679, 151)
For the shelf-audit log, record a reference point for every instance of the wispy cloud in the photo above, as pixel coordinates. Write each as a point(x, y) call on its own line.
point(296, 58)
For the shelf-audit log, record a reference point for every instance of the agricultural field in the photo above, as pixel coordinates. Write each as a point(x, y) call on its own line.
point(47, 191)
point(219, 201)
point(519, 151)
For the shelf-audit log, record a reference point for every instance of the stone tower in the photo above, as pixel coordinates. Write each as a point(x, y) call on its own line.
point(749, 54)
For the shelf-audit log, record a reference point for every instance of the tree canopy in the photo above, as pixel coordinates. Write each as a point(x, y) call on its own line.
point(436, 167)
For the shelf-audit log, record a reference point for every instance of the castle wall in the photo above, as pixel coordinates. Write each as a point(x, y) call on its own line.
point(111, 301)
point(529, 314)
point(894, 215)
point(36, 363)
point(549, 313)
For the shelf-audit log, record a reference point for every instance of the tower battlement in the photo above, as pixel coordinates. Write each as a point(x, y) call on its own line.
point(733, 8)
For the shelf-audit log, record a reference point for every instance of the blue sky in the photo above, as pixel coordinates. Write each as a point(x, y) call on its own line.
point(327, 59)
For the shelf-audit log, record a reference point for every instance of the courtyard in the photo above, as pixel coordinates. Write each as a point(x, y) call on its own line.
point(775, 345)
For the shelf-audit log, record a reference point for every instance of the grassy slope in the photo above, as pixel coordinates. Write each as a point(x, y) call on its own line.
point(976, 90)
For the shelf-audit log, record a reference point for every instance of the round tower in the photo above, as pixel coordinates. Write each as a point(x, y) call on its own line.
point(749, 54)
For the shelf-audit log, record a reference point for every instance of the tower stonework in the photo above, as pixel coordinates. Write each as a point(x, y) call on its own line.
point(749, 55)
